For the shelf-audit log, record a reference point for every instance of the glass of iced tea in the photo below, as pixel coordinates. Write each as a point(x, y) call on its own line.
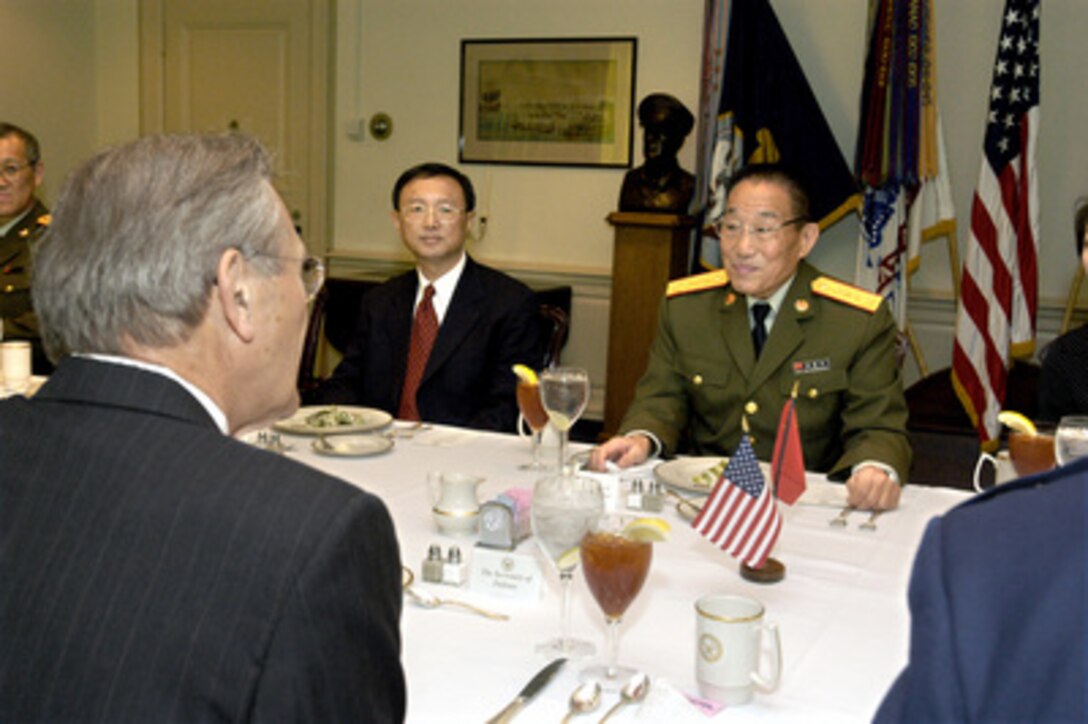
point(532, 412)
point(1032, 453)
point(616, 554)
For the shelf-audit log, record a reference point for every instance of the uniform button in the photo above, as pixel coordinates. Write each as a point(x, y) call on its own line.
point(697, 379)
point(8, 289)
point(752, 439)
point(751, 407)
point(813, 393)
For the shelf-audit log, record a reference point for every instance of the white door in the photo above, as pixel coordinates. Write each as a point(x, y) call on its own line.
point(258, 66)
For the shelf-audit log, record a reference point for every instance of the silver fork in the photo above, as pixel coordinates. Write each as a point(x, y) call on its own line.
point(839, 521)
point(871, 523)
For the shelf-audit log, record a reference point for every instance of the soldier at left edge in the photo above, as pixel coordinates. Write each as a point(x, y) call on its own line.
point(23, 219)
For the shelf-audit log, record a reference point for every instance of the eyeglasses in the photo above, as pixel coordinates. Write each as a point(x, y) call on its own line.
point(443, 213)
point(733, 229)
point(10, 170)
point(313, 272)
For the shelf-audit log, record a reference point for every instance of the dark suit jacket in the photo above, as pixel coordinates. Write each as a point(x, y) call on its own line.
point(1063, 386)
point(491, 324)
point(154, 569)
point(998, 608)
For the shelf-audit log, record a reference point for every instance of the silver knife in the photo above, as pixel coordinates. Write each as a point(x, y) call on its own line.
point(531, 689)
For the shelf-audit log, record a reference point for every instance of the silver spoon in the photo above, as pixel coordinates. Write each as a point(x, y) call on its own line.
point(633, 692)
point(427, 600)
point(871, 523)
point(585, 698)
point(840, 520)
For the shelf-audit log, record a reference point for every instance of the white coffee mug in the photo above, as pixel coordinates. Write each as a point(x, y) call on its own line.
point(15, 363)
point(1003, 469)
point(729, 649)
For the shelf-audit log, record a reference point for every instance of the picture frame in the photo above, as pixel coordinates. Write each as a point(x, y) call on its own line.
point(554, 102)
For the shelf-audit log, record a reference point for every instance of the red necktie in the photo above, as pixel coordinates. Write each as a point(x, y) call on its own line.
point(424, 331)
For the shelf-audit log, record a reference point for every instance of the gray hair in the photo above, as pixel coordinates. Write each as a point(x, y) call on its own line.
point(137, 234)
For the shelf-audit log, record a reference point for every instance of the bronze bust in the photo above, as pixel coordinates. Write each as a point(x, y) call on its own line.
point(659, 184)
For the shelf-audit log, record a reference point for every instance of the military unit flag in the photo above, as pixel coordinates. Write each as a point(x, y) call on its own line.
point(767, 112)
point(741, 516)
point(995, 321)
point(900, 159)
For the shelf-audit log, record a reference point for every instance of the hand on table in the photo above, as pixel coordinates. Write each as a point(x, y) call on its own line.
point(623, 450)
point(871, 488)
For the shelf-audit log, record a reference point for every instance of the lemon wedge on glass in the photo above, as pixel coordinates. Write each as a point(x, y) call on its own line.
point(647, 530)
point(569, 558)
point(526, 374)
point(1016, 421)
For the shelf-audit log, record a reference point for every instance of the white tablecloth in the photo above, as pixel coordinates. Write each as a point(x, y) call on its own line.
point(841, 609)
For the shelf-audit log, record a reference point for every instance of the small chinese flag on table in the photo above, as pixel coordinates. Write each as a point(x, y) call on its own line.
point(788, 460)
point(741, 516)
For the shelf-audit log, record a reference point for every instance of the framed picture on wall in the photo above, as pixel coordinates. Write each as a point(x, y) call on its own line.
point(561, 102)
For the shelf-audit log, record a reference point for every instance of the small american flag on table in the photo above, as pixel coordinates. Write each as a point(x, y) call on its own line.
point(741, 516)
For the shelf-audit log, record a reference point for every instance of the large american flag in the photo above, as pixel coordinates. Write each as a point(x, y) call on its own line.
point(999, 292)
point(741, 516)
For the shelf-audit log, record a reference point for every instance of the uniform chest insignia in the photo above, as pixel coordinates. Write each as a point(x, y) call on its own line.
point(23, 233)
point(809, 366)
point(697, 283)
point(847, 294)
point(730, 299)
point(801, 305)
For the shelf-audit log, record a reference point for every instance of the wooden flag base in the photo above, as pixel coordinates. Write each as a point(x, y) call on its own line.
point(772, 571)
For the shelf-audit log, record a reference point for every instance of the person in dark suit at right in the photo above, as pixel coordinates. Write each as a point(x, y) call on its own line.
point(152, 567)
point(1063, 386)
point(998, 608)
point(482, 321)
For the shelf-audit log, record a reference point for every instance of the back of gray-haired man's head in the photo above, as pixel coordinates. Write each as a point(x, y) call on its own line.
point(136, 236)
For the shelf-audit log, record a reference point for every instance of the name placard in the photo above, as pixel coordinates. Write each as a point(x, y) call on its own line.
point(505, 574)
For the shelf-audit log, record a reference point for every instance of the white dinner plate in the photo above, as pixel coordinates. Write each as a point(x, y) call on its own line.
point(365, 419)
point(694, 475)
point(352, 446)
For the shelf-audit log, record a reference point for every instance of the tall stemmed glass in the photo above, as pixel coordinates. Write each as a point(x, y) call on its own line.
point(564, 508)
point(564, 391)
point(534, 415)
point(616, 560)
point(1071, 439)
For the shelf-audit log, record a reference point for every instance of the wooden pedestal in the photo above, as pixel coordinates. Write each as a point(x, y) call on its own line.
point(649, 250)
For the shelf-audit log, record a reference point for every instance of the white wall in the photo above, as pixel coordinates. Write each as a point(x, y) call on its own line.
point(402, 58)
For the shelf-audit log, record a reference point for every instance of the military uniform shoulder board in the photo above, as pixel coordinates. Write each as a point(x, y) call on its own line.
point(45, 219)
point(697, 283)
point(847, 294)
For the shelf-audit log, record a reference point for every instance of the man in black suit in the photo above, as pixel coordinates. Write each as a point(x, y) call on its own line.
point(153, 568)
point(486, 321)
point(998, 606)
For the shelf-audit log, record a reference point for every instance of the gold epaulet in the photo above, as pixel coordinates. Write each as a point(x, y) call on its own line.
point(45, 220)
point(697, 283)
point(847, 294)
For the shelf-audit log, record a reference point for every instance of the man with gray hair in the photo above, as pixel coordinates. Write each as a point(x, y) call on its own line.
point(152, 568)
point(23, 217)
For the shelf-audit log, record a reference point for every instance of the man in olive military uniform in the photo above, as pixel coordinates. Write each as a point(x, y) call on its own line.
point(834, 342)
point(22, 219)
